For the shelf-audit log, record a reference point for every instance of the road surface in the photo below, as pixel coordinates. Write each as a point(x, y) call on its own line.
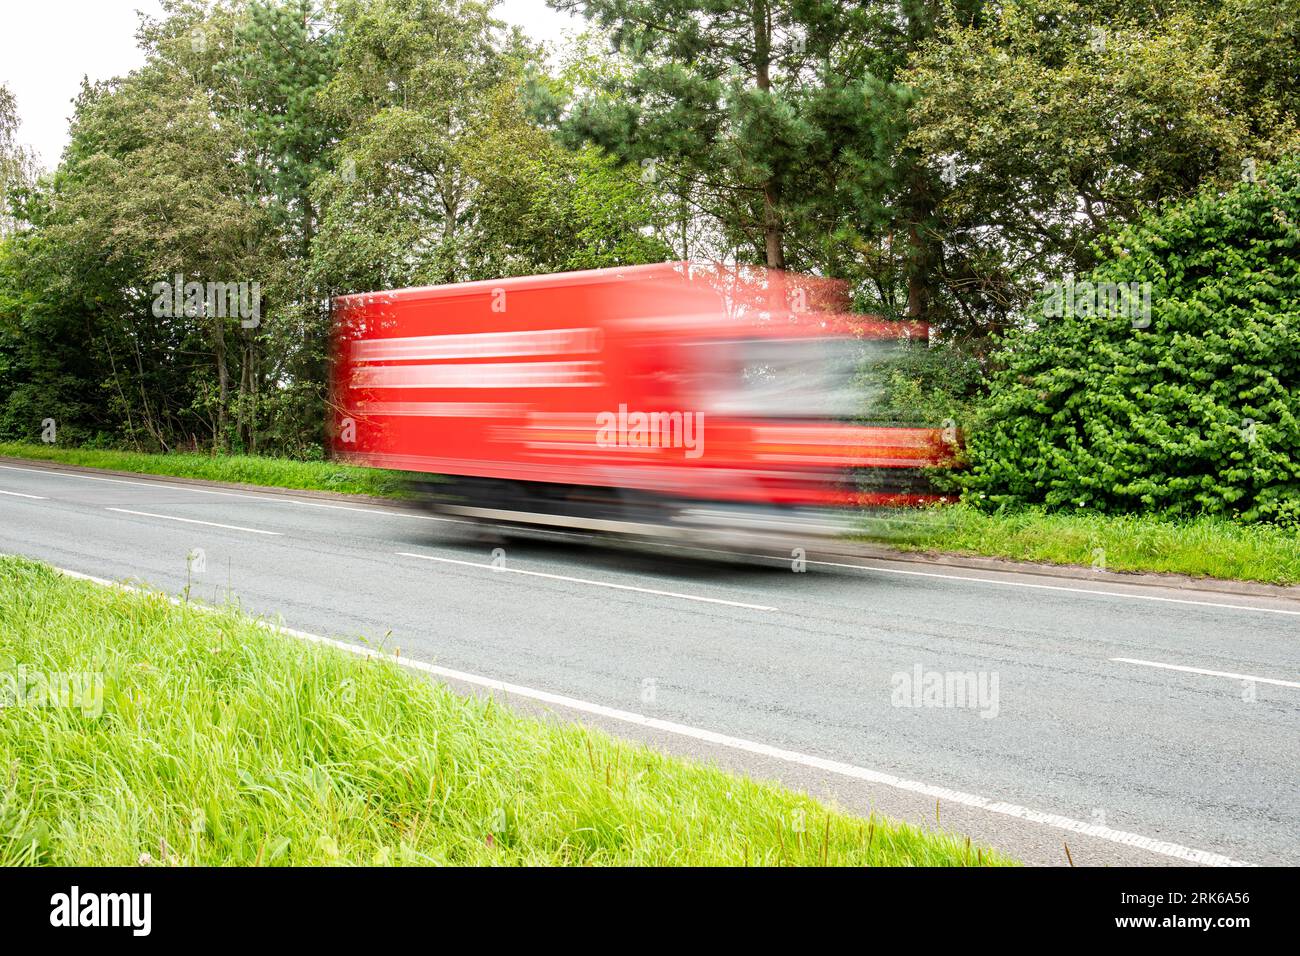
point(1134, 724)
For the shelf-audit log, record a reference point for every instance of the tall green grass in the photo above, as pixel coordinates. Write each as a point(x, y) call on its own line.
point(1204, 546)
point(221, 743)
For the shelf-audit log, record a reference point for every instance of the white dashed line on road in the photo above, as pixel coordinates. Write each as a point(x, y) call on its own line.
point(1208, 673)
point(599, 584)
point(210, 524)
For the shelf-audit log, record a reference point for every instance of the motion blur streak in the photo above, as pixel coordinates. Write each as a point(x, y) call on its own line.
point(698, 402)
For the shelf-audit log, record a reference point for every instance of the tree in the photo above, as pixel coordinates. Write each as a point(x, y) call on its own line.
point(17, 165)
point(441, 175)
point(1058, 122)
point(414, 79)
point(539, 207)
point(155, 183)
point(737, 101)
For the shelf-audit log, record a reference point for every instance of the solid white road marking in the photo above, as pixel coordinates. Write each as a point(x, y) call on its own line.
point(19, 494)
point(143, 484)
point(1125, 838)
point(210, 524)
point(1058, 587)
point(599, 584)
point(1208, 673)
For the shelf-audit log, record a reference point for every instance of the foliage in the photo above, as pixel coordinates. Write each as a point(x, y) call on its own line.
point(763, 117)
point(17, 165)
point(1192, 409)
point(1061, 121)
point(312, 149)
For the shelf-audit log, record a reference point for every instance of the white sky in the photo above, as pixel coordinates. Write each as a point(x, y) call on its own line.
point(46, 47)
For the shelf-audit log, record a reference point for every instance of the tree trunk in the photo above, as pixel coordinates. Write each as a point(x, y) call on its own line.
point(253, 391)
point(922, 252)
point(773, 236)
point(223, 382)
point(918, 290)
point(244, 425)
point(923, 249)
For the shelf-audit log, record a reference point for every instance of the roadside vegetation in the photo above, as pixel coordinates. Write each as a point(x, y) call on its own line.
point(219, 742)
point(1188, 404)
point(1203, 546)
point(244, 469)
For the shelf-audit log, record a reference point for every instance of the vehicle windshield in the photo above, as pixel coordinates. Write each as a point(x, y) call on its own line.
point(799, 378)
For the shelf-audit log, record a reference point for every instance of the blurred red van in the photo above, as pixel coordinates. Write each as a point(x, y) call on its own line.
point(667, 399)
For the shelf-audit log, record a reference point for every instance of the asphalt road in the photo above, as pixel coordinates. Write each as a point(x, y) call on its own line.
point(798, 676)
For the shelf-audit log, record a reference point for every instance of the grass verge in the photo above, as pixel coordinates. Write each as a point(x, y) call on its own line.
point(217, 742)
point(1200, 547)
point(246, 469)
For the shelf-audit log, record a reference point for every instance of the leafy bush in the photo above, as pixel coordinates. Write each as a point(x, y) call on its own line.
point(924, 386)
point(1195, 412)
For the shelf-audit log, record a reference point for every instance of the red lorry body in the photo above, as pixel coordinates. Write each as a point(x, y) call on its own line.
point(544, 379)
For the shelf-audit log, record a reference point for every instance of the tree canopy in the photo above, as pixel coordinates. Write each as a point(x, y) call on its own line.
point(950, 160)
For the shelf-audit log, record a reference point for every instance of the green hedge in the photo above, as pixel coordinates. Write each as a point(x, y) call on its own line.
point(1190, 408)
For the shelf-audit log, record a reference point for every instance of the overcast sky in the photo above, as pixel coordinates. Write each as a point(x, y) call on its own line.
point(48, 45)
